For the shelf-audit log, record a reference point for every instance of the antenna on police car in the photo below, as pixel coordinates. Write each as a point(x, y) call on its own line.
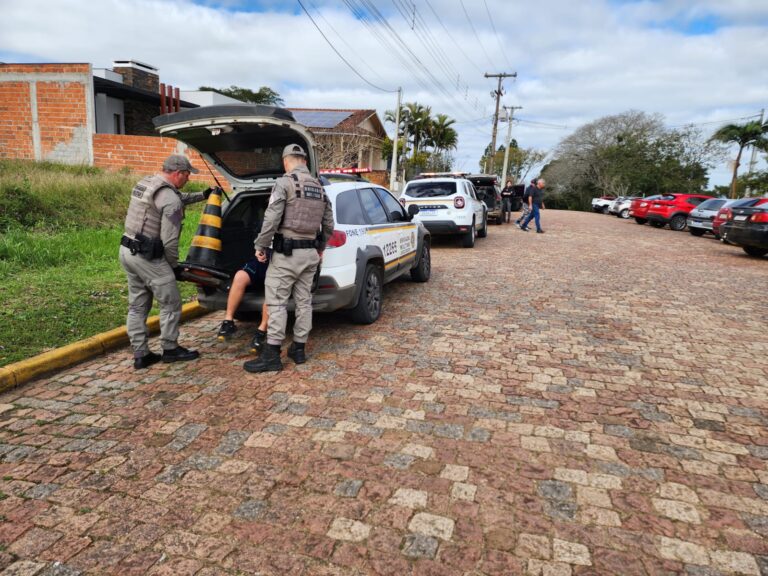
point(214, 177)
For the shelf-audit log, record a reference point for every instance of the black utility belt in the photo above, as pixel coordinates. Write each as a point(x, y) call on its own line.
point(149, 248)
point(286, 246)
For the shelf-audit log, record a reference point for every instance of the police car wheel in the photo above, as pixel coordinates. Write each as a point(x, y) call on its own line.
point(368, 307)
point(483, 232)
point(468, 240)
point(424, 268)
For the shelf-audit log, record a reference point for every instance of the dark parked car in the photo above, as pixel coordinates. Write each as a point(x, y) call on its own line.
point(487, 189)
point(725, 212)
point(747, 226)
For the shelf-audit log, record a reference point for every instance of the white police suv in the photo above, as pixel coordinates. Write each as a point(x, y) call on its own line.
point(448, 206)
point(375, 239)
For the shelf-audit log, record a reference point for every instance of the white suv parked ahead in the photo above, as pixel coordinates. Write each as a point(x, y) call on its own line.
point(448, 206)
point(375, 239)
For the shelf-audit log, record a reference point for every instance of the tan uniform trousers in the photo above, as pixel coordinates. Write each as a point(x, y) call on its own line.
point(148, 279)
point(286, 274)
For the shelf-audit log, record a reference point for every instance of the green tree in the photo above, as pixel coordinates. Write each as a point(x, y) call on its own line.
point(441, 135)
point(264, 95)
point(750, 134)
point(632, 153)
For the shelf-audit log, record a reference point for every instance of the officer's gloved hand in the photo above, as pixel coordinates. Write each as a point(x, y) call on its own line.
point(207, 191)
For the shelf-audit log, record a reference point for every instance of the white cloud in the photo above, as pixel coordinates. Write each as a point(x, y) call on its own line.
point(575, 61)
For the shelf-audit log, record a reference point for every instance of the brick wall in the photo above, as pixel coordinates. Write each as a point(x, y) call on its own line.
point(46, 112)
point(145, 154)
point(15, 121)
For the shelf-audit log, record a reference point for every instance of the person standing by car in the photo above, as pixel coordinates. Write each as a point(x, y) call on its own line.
point(526, 203)
point(535, 203)
point(298, 213)
point(149, 254)
point(506, 201)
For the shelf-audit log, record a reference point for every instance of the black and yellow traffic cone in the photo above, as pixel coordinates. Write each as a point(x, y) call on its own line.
point(206, 245)
point(202, 263)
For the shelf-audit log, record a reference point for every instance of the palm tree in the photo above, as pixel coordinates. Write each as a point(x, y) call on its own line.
point(415, 120)
point(441, 135)
point(749, 134)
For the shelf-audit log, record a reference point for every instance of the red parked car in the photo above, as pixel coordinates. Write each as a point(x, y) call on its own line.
point(673, 209)
point(725, 212)
point(639, 208)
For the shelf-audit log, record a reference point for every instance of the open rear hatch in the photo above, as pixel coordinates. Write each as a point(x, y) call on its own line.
point(244, 142)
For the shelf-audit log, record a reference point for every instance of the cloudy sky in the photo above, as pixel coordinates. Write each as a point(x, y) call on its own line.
point(701, 62)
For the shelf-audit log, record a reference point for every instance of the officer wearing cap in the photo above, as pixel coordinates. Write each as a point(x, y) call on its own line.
point(149, 254)
point(296, 223)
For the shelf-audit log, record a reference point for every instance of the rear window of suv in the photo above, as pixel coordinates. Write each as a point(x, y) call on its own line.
point(431, 189)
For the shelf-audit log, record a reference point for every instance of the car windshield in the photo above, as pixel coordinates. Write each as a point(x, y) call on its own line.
point(714, 204)
point(430, 189)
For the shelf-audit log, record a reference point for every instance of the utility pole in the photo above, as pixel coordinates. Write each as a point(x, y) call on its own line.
point(498, 93)
point(393, 168)
point(510, 112)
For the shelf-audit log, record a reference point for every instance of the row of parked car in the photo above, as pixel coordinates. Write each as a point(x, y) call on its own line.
point(743, 221)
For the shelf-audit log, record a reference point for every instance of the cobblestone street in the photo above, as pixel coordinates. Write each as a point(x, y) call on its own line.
point(593, 400)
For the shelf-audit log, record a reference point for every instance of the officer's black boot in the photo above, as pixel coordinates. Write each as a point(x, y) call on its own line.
point(268, 361)
point(296, 352)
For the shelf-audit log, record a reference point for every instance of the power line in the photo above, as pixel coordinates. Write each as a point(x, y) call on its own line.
point(449, 35)
point(560, 126)
point(415, 61)
point(714, 121)
point(351, 49)
point(493, 27)
point(363, 78)
point(469, 21)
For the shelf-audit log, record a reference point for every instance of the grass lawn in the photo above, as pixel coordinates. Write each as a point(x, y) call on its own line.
point(60, 229)
point(62, 287)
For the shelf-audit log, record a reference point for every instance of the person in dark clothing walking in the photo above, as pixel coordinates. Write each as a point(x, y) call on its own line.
point(506, 201)
point(526, 203)
point(536, 203)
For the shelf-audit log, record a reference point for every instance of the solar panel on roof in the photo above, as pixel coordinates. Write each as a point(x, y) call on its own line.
point(320, 118)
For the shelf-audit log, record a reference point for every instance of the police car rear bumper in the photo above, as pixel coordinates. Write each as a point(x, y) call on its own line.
point(445, 227)
point(327, 298)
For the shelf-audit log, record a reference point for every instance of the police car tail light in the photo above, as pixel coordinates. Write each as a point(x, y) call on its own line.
point(458, 202)
point(338, 238)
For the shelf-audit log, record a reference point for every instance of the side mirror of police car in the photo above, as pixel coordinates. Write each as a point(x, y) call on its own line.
point(413, 209)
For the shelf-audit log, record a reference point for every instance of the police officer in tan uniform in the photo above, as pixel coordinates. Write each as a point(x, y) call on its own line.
point(149, 254)
point(298, 211)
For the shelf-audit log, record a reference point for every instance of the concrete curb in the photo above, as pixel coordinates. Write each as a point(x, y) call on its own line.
point(18, 373)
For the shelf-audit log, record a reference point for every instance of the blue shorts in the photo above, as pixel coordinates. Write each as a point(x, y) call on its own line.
point(257, 271)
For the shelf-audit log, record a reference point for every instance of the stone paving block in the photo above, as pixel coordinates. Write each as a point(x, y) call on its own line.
point(348, 488)
point(570, 552)
point(432, 525)
point(350, 530)
point(23, 568)
point(419, 546)
point(732, 562)
point(461, 491)
point(455, 472)
point(686, 552)
point(409, 498)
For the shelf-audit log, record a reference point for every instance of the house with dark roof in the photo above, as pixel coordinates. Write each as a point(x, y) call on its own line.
point(345, 138)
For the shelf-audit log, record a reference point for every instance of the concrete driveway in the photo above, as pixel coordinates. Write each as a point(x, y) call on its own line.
point(593, 400)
